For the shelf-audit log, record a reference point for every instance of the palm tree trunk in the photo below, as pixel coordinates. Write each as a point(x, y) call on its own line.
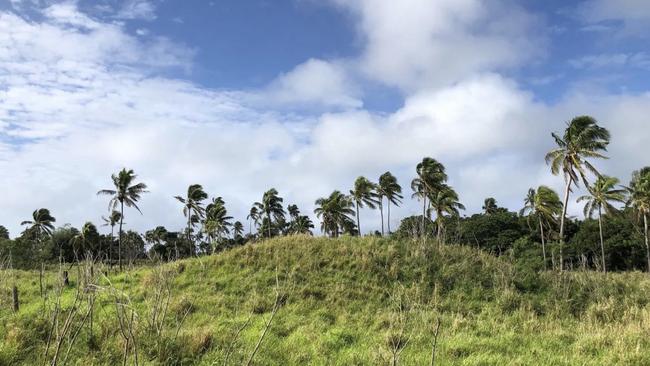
point(119, 243)
point(381, 211)
point(645, 232)
point(424, 210)
point(439, 234)
point(110, 246)
point(268, 217)
point(388, 218)
point(602, 243)
point(358, 222)
point(564, 209)
point(541, 231)
point(189, 228)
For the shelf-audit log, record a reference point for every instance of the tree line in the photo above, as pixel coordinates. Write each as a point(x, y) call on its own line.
point(543, 218)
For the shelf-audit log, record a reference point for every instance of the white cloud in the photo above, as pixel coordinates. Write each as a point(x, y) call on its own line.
point(626, 10)
point(137, 9)
point(637, 60)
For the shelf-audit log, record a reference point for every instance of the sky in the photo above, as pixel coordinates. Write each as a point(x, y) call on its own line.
point(305, 96)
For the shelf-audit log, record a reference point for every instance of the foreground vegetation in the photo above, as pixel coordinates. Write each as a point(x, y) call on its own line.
point(340, 301)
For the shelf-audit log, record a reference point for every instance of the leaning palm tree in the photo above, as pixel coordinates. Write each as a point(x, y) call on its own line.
point(598, 200)
point(335, 212)
point(271, 206)
point(112, 220)
point(217, 222)
point(363, 194)
point(192, 208)
point(125, 193)
point(582, 139)
point(253, 218)
point(430, 178)
point(42, 225)
point(490, 206)
point(237, 230)
point(302, 225)
point(444, 201)
point(543, 204)
point(639, 199)
point(389, 188)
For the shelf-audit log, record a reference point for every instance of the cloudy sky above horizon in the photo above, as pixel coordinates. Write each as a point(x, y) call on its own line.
point(306, 95)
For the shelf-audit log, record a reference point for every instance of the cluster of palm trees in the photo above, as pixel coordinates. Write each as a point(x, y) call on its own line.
point(582, 141)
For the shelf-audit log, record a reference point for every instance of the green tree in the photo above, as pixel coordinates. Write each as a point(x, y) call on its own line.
point(335, 213)
point(431, 177)
point(86, 241)
point(389, 188)
point(192, 207)
point(127, 193)
point(363, 194)
point(217, 222)
point(302, 225)
point(599, 199)
point(41, 224)
point(4, 233)
point(582, 139)
point(544, 205)
point(271, 206)
point(112, 220)
point(253, 219)
point(444, 201)
point(237, 230)
point(639, 200)
point(490, 206)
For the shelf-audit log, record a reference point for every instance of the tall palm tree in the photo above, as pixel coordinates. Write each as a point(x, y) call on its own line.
point(303, 225)
point(271, 206)
point(192, 208)
point(42, 224)
point(253, 218)
point(444, 201)
point(582, 139)
point(112, 220)
point(430, 178)
point(600, 195)
point(127, 193)
point(543, 204)
point(237, 230)
point(363, 194)
point(389, 188)
point(639, 200)
point(490, 206)
point(217, 221)
point(335, 212)
point(294, 212)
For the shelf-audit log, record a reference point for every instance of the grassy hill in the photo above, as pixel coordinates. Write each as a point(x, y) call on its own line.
point(347, 301)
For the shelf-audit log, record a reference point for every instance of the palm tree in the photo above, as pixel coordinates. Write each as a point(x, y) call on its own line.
point(335, 212)
point(271, 205)
point(490, 206)
point(237, 230)
point(363, 194)
point(582, 139)
point(639, 200)
point(545, 205)
point(217, 221)
point(303, 225)
point(294, 212)
point(253, 218)
point(389, 188)
point(42, 226)
point(111, 221)
point(444, 201)
point(192, 208)
point(125, 193)
point(600, 195)
point(430, 178)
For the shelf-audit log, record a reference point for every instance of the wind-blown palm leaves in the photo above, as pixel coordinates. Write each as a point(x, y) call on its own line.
point(490, 206)
point(335, 213)
point(598, 200)
point(237, 230)
point(639, 199)
point(363, 194)
point(42, 224)
point(253, 219)
point(302, 225)
point(112, 220)
point(389, 188)
point(85, 239)
point(192, 207)
point(444, 201)
point(271, 206)
point(431, 177)
point(127, 193)
point(543, 204)
point(582, 139)
point(217, 221)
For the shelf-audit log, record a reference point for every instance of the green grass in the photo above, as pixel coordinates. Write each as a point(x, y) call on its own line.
point(342, 301)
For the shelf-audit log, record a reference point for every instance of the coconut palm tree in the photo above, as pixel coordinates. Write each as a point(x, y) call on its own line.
point(639, 199)
point(42, 225)
point(444, 201)
point(582, 139)
point(430, 178)
point(112, 220)
point(253, 218)
point(543, 204)
point(271, 206)
point(127, 193)
point(363, 194)
point(192, 208)
point(303, 225)
point(237, 230)
point(490, 206)
point(217, 221)
point(389, 188)
point(335, 212)
point(598, 200)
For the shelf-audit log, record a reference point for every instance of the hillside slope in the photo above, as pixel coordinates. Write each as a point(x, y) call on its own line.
point(347, 301)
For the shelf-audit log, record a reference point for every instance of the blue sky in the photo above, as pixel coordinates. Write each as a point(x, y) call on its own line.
point(306, 95)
